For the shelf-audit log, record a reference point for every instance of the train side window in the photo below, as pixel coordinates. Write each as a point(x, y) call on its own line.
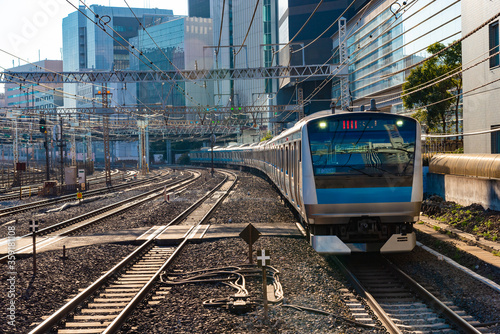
point(287, 152)
point(300, 152)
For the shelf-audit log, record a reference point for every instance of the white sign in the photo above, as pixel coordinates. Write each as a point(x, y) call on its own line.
point(263, 259)
point(81, 176)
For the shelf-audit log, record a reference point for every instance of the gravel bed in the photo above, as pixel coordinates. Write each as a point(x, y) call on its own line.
point(101, 184)
point(55, 281)
point(49, 218)
point(306, 277)
point(156, 212)
point(449, 283)
point(253, 200)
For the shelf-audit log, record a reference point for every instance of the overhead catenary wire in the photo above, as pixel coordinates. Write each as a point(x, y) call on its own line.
point(220, 30)
point(329, 27)
point(359, 56)
point(249, 27)
point(349, 61)
point(49, 88)
point(150, 63)
point(494, 17)
point(340, 66)
point(331, 57)
point(45, 69)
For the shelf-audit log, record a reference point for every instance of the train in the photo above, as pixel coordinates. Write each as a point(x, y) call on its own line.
point(354, 178)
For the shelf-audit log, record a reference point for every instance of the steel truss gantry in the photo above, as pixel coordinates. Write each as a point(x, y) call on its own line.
point(156, 110)
point(277, 72)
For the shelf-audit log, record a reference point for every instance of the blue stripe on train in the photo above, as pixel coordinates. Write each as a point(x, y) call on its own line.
point(363, 195)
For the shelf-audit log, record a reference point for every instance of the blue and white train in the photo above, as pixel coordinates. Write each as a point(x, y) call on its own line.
point(355, 178)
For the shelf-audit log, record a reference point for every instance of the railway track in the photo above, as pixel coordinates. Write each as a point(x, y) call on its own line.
point(26, 191)
point(53, 233)
point(400, 304)
point(105, 305)
point(71, 197)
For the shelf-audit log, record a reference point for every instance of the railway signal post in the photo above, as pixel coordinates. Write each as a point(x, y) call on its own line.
point(34, 229)
point(250, 234)
point(263, 260)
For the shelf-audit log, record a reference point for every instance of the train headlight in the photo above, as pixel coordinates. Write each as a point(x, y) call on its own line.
point(322, 125)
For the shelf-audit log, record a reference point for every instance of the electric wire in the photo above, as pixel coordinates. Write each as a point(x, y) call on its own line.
point(494, 17)
point(46, 69)
point(151, 63)
point(345, 63)
point(329, 27)
point(220, 30)
point(369, 76)
point(53, 89)
point(249, 27)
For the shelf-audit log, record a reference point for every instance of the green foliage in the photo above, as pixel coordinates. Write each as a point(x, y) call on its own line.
point(435, 100)
point(267, 136)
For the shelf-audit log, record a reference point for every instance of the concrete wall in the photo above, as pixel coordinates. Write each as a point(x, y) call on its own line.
point(465, 190)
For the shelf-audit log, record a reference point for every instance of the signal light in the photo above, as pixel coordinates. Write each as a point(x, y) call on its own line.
point(43, 129)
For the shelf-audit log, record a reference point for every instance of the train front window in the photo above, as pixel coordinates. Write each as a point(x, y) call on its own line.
point(368, 145)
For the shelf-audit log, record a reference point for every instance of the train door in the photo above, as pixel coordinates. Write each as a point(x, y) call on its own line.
point(290, 170)
point(294, 176)
point(287, 171)
point(299, 174)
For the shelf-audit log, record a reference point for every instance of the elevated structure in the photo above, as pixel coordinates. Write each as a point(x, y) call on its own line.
point(125, 76)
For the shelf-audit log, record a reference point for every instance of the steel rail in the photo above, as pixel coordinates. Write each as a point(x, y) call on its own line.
point(383, 317)
point(135, 201)
point(66, 198)
point(13, 193)
point(122, 317)
point(452, 316)
point(65, 310)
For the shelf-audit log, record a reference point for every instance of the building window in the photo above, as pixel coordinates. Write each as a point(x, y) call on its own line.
point(495, 139)
point(494, 41)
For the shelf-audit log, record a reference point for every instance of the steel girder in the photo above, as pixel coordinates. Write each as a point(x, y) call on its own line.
point(279, 72)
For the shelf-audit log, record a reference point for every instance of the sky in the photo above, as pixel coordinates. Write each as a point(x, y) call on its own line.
point(32, 29)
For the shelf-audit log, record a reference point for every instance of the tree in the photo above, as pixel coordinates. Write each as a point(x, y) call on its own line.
point(439, 97)
point(268, 135)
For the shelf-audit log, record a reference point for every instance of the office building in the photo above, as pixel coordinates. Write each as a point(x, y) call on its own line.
point(86, 47)
point(384, 39)
point(481, 82)
point(31, 95)
point(177, 44)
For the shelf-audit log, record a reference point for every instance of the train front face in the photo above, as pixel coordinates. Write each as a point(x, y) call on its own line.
point(362, 185)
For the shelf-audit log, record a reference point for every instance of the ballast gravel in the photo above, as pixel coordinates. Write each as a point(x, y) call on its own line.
point(308, 280)
point(56, 279)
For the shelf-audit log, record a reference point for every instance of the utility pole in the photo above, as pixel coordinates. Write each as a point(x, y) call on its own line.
point(43, 129)
point(105, 120)
point(343, 57)
point(61, 146)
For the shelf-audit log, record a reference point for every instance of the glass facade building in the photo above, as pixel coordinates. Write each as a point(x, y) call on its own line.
point(32, 95)
point(310, 45)
point(87, 47)
point(178, 44)
point(384, 39)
